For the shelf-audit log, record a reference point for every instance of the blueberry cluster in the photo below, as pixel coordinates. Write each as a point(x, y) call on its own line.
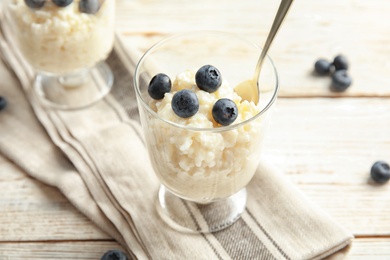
point(85, 6)
point(185, 102)
point(338, 68)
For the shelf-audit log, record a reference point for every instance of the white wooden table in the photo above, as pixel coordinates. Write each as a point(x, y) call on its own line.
point(325, 142)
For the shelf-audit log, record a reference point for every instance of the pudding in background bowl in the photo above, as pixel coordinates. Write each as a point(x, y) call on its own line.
point(59, 39)
point(66, 43)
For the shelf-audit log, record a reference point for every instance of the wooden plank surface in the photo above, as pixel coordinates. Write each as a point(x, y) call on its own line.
point(32, 211)
point(370, 248)
point(362, 249)
point(329, 141)
point(329, 162)
point(327, 147)
point(324, 145)
point(71, 250)
point(313, 29)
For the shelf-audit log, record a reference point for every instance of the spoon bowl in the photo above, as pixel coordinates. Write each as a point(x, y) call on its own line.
point(249, 89)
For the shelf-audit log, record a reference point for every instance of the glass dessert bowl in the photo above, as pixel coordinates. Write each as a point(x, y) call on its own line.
point(66, 43)
point(203, 139)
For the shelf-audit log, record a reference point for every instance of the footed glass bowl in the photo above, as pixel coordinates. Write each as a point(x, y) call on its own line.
point(203, 166)
point(66, 42)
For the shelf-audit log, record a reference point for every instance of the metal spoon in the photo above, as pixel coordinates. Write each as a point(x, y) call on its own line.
point(249, 89)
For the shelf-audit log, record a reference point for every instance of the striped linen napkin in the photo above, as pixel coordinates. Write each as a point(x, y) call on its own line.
point(97, 158)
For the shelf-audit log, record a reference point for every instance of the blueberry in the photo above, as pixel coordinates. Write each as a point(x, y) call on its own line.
point(114, 255)
point(340, 62)
point(3, 103)
point(224, 111)
point(62, 3)
point(35, 3)
point(380, 172)
point(341, 80)
point(185, 103)
point(89, 6)
point(159, 85)
point(322, 66)
point(208, 78)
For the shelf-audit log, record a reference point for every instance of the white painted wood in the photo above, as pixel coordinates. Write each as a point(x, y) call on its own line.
point(32, 211)
point(326, 146)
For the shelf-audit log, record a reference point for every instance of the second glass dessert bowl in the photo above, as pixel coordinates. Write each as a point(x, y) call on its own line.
point(66, 42)
point(203, 163)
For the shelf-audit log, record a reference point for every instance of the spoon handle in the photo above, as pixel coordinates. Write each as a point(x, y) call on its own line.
point(279, 18)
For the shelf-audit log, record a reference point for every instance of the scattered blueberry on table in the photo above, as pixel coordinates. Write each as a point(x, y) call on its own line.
point(340, 62)
point(380, 172)
point(341, 80)
point(322, 66)
point(224, 111)
point(185, 103)
point(208, 78)
point(114, 255)
point(3, 103)
point(159, 85)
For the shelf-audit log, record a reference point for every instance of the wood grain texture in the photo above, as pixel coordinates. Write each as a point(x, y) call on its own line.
point(329, 141)
point(32, 211)
point(71, 250)
point(358, 29)
point(326, 146)
point(370, 248)
point(365, 248)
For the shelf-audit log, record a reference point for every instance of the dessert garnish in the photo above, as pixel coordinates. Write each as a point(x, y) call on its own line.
point(208, 78)
point(89, 6)
point(224, 111)
point(62, 3)
point(85, 6)
point(35, 3)
point(185, 103)
point(159, 85)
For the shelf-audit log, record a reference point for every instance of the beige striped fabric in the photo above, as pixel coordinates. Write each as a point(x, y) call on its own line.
point(97, 158)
